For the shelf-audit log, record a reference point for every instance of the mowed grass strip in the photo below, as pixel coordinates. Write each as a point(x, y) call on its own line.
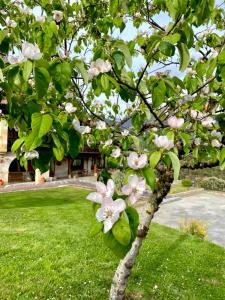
point(45, 253)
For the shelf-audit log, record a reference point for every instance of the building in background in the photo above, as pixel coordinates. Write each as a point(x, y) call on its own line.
point(87, 163)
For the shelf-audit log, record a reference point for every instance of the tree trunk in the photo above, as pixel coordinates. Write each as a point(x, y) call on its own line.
point(123, 271)
point(125, 266)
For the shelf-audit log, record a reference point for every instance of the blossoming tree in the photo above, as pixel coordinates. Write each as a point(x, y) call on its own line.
point(70, 75)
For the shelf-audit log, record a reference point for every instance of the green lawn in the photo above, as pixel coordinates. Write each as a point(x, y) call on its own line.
point(45, 253)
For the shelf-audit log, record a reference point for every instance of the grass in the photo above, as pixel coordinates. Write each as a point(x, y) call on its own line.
point(45, 253)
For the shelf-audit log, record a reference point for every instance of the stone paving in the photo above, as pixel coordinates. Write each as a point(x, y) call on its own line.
point(205, 206)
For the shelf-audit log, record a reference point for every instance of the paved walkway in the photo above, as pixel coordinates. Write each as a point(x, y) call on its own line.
point(205, 206)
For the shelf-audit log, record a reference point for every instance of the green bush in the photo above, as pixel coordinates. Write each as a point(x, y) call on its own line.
point(213, 184)
point(194, 227)
point(186, 182)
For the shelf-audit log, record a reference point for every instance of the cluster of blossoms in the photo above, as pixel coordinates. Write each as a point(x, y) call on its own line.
point(97, 67)
point(163, 142)
point(199, 116)
point(175, 122)
point(110, 209)
point(81, 129)
point(70, 108)
point(29, 51)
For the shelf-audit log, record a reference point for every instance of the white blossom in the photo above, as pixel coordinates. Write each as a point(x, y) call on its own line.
point(134, 189)
point(100, 125)
point(69, 95)
point(215, 143)
point(135, 161)
point(31, 154)
point(197, 141)
point(31, 51)
point(175, 122)
point(197, 115)
point(40, 19)
point(125, 132)
point(207, 122)
point(10, 23)
point(116, 152)
point(109, 212)
point(16, 59)
point(97, 67)
point(217, 134)
point(108, 142)
point(163, 142)
point(57, 15)
point(70, 108)
point(79, 128)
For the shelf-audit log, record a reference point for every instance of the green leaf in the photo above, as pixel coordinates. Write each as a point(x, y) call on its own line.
point(133, 217)
point(58, 153)
point(41, 124)
point(173, 38)
point(74, 143)
point(154, 159)
point(222, 159)
point(166, 48)
point(150, 177)
point(158, 93)
point(95, 228)
point(42, 80)
point(117, 248)
point(32, 141)
point(126, 52)
point(80, 65)
point(184, 56)
point(104, 82)
point(121, 230)
point(119, 59)
point(175, 163)
point(61, 75)
point(17, 144)
point(27, 68)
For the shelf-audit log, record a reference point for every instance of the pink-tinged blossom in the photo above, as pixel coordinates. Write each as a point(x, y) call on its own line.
point(175, 122)
point(116, 152)
point(40, 19)
point(16, 59)
point(207, 122)
point(197, 115)
point(135, 161)
point(10, 23)
point(81, 129)
point(134, 189)
point(70, 108)
point(215, 143)
point(103, 191)
point(57, 15)
point(163, 142)
point(99, 66)
point(109, 212)
point(31, 51)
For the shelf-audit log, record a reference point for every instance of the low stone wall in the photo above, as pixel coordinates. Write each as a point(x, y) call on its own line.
point(202, 173)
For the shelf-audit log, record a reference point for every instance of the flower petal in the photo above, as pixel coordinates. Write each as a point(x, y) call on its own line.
point(95, 197)
point(100, 214)
point(133, 180)
point(119, 205)
point(100, 187)
point(107, 225)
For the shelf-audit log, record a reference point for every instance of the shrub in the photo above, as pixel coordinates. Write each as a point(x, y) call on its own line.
point(186, 182)
point(194, 227)
point(213, 184)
